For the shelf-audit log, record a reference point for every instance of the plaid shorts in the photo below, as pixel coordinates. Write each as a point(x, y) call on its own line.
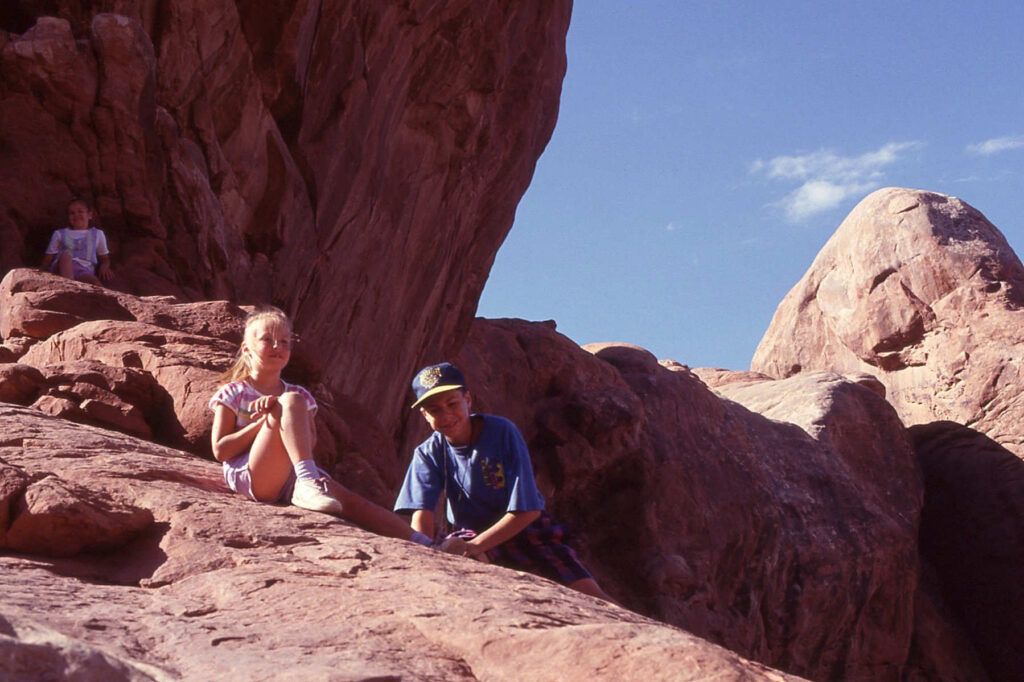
point(539, 548)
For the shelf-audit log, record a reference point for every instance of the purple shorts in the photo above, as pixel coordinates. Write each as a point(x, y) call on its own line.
point(239, 478)
point(77, 269)
point(539, 548)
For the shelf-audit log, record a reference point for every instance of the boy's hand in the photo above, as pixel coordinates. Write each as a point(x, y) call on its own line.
point(477, 553)
point(460, 547)
point(105, 273)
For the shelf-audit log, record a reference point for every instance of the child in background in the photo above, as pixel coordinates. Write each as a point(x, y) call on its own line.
point(263, 433)
point(75, 251)
point(481, 463)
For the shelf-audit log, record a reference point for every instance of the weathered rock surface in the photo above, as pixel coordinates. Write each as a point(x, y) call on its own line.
point(921, 291)
point(789, 535)
point(357, 163)
point(188, 581)
point(689, 508)
point(144, 366)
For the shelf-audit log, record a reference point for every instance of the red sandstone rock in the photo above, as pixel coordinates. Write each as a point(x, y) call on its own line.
point(38, 305)
point(154, 379)
point(714, 377)
point(972, 531)
point(13, 482)
point(55, 518)
point(359, 163)
point(14, 347)
point(186, 367)
point(19, 383)
point(941, 648)
point(737, 527)
point(921, 291)
point(217, 586)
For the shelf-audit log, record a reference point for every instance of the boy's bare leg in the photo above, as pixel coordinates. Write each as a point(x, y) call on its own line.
point(590, 587)
point(368, 515)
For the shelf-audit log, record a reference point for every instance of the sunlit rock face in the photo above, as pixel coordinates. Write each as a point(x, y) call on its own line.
point(921, 291)
point(357, 163)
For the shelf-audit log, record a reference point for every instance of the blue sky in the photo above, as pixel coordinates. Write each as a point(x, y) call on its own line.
point(705, 151)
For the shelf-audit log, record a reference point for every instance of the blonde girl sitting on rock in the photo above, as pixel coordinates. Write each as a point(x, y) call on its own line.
point(263, 434)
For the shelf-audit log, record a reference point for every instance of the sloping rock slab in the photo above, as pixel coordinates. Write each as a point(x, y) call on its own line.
point(222, 587)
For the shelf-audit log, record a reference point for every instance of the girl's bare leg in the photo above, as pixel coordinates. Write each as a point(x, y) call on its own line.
point(283, 440)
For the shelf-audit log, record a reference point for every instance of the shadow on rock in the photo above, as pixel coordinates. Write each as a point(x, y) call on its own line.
point(972, 531)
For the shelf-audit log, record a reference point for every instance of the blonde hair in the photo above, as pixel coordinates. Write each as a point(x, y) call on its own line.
point(240, 368)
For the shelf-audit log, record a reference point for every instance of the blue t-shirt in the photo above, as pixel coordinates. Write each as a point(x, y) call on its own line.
point(482, 481)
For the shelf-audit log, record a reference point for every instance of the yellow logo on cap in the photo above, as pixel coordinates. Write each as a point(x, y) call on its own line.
point(430, 377)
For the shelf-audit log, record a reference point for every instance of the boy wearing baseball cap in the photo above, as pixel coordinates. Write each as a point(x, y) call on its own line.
point(481, 463)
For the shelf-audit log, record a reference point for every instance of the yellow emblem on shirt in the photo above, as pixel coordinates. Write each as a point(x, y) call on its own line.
point(493, 474)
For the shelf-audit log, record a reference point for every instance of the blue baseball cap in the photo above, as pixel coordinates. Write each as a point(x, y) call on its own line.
point(435, 379)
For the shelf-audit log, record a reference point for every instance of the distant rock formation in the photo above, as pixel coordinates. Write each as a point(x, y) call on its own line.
point(921, 291)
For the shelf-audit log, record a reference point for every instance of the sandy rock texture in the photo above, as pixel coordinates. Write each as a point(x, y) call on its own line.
point(144, 567)
point(780, 522)
point(357, 163)
point(921, 291)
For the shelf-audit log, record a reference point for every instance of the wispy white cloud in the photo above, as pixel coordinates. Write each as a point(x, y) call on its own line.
point(996, 145)
point(826, 178)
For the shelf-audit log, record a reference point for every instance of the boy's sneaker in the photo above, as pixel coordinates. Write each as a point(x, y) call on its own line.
point(311, 493)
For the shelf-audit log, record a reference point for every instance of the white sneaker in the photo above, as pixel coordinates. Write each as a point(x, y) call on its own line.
point(312, 494)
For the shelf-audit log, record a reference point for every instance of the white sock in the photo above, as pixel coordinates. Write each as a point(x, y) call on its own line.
point(306, 469)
